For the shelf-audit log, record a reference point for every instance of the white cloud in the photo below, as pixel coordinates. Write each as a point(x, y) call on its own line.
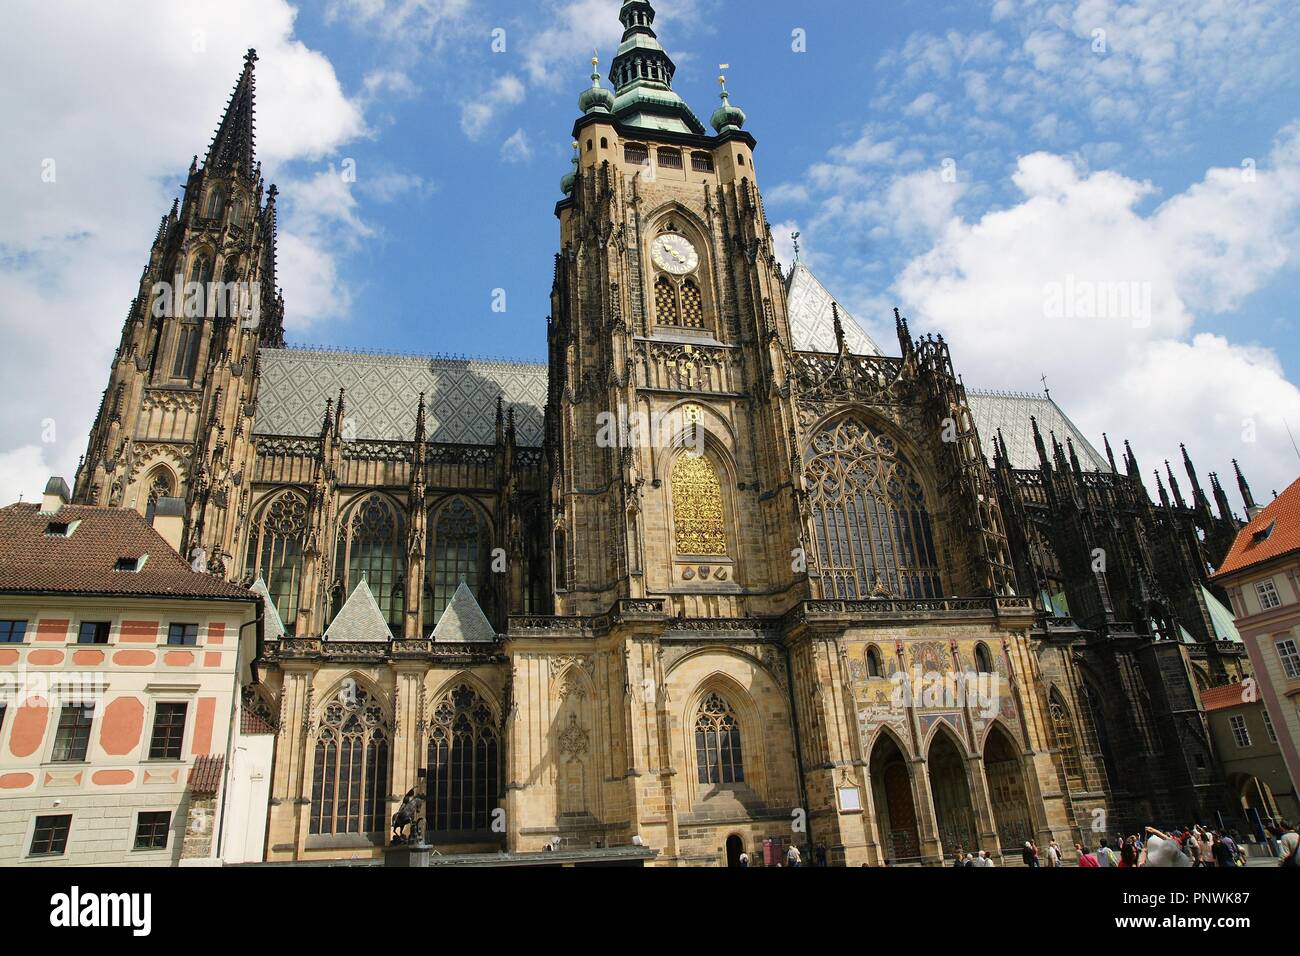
point(477, 113)
point(119, 104)
point(516, 148)
point(1147, 374)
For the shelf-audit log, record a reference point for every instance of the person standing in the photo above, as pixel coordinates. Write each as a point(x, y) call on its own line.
point(744, 861)
point(1106, 856)
point(1053, 854)
point(1086, 858)
point(792, 857)
point(1028, 856)
point(1288, 845)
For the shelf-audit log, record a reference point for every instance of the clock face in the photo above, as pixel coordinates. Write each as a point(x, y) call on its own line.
point(675, 254)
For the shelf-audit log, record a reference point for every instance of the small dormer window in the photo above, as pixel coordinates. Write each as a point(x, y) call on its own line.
point(59, 529)
point(130, 565)
point(1263, 534)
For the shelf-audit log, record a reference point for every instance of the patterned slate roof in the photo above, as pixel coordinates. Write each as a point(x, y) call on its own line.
point(360, 618)
point(463, 620)
point(382, 392)
point(1011, 412)
point(34, 561)
point(812, 325)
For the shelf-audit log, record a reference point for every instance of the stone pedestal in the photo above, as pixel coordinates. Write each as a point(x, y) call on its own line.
point(408, 854)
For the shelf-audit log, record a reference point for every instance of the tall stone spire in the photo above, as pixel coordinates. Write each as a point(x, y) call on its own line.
point(232, 146)
point(642, 75)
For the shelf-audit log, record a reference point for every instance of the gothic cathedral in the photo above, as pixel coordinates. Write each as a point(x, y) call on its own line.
point(720, 577)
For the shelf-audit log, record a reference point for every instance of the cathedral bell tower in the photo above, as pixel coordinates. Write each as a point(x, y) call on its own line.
point(673, 467)
point(177, 416)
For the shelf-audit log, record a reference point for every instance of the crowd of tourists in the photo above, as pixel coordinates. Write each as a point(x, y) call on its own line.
point(1186, 846)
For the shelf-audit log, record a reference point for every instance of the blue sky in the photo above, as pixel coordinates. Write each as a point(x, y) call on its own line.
point(955, 159)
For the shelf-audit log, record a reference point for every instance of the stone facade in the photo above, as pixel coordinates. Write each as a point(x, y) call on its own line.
point(753, 584)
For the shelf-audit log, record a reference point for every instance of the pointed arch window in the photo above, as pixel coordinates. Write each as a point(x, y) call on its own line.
point(718, 753)
point(216, 202)
point(1066, 741)
point(275, 547)
point(699, 525)
point(159, 487)
point(350, 775)
point(464, 763)
point(870, 521)
point(458, 545)
point(372, 543)
point(873, 662)
point(692, 306)
point(679, 303)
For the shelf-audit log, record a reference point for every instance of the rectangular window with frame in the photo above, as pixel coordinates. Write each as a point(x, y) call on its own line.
point(1268, 596)
point(1286, 650)
point(12, 632)
point(72, 737)
point(1240, 732)
point(151, 828)
point(636, 154)
point(1268, 727)
point(187, 352)
point(50, 836)
point(168, 732)
point(185, 635)
point(701, 162)
point(94, 632)
point(670, 159)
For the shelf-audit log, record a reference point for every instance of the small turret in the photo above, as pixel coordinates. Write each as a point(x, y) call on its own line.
point(727, 118)
point(596, 99)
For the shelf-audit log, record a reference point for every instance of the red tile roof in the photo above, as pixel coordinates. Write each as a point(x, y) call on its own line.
point(253, 723)
point(32, 561)
point(1252, 548)
point(205, 775)
point(1226, 695)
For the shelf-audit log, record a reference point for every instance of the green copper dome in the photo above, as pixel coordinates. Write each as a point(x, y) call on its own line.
point(642, 75)
point(596, 99)
point(568, 180)
point(727, 117)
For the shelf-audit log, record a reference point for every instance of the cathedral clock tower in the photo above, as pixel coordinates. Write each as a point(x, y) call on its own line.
point(668, 414)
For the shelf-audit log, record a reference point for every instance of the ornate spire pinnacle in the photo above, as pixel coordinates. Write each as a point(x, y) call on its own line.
point(1246, 495)
point(727, 117)
point(596, 99)
point(1110, 455)
point(232, 146)
point(642, 75)
point(568, 180)
point(1173, 485)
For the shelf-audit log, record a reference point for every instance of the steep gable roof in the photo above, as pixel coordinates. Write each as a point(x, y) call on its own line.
point(463, 620)
point(35, 561)
point(812, 326)
point(272, 625)
point(1256, 543)
point(1011, 412)
point(383, 392)
point(360, 618)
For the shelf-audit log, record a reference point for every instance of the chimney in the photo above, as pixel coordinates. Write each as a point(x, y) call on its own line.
point(169, 521)
point(55, 497)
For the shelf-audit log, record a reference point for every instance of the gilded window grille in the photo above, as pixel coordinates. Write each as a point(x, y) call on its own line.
point(350, 775)
point(275, 552)
point(698, 518)
point(1066, 741)
point(372, 543)
point(718, 754)
point(870, 521)
point(464, 784)
point(692, 306)
point(665, 302)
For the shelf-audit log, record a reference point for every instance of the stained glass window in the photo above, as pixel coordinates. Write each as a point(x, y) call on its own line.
point(872, 527)
point(350, 775)
point(1066, 742)
point(372, 543)
point(717, 743)
point(458, 547)
point(275, 552)
point(464, 763)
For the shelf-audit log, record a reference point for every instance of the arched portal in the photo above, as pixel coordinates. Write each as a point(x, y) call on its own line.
point(954, 815)
point(891, 788)
point(735, 847)
point(1006, 779)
